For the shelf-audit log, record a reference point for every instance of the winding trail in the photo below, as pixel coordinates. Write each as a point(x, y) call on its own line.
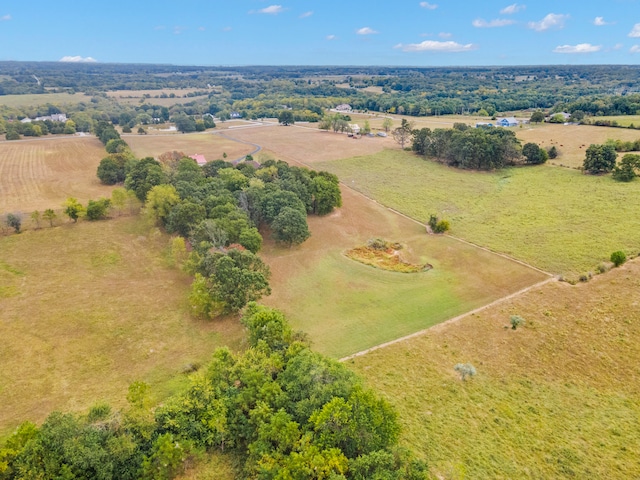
point(552, 278)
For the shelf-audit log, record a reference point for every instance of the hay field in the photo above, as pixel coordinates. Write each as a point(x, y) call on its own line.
point(208, 144)
point(624, 120)
point(557, 398)
point(34, 100)
point(135, 97)
point(346, 306)
point(42, 173)
point(554, 218)
point(86, 310)
point(572, 141)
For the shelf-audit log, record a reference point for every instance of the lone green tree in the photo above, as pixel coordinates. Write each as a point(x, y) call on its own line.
point(73, 209)
point(285, 117)
point(627, 169)
point(14, 221)
point(599, 159)
point(533, 154)
point(537, 117)
point(387, 123)
point(618, 258)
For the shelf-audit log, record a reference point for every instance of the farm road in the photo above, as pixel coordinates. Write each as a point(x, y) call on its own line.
point(450, 321)
point(551, 278)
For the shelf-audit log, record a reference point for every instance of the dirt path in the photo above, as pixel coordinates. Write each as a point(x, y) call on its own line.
point(450, 321)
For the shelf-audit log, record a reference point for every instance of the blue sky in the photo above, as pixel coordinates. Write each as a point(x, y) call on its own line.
point(327, 32)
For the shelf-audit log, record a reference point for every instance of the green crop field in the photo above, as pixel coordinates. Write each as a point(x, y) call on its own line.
point(87, 309)
point(554, 218)
point(557, 398)
point(345, 306)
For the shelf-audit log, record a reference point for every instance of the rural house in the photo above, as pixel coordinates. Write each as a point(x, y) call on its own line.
point(200, 160)
point(507, 122)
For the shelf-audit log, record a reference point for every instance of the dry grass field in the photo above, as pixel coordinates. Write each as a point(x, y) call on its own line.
point(42, 173)
point(210, 145)
point(346, 306)
point(308, 144)
point(572, 141)
point(556, 398)
point(87, 309)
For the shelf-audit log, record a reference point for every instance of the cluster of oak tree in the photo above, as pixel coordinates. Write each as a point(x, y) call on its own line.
point(279, 408)
point(470, 148)
point(219, 210)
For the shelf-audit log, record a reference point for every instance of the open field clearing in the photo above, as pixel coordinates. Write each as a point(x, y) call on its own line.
point(554, 218)
point(208, 144)
point(556, 398)
point(624, 120)
point(33, 100)
point(307, 144)
point(42, 173)
point(346, 306)
point(571, 141)
point(134, 97)
point(87, 309)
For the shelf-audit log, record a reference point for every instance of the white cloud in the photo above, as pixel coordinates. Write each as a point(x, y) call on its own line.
point(5, 18)
point(159, 27)
point(511, 9)
point(227, 29)
point(617, 46)
point(445, 35)
point(202, 29)
point(553, 20)
point(435, 46)
point(599, 22)
point(498, 22)
point(579, 48)
point(635, 49)
point(306, 14)
point(428, 6)
point(635, 31)
point(78, 59)
point(270, 10)
point(177, 30)
point(331, 37)
point(366, 31)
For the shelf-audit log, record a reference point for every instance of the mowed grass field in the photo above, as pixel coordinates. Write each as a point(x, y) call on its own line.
point(42, 173)
point(87, 309)
point(345, 306)
point(556, 398)
point(210, 145)
point(572, 141)
point(554, 218)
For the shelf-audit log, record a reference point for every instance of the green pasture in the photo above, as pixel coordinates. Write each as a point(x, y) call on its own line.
point(623, 120)
point(34, 100)
point(345, 306)
point(557, 219)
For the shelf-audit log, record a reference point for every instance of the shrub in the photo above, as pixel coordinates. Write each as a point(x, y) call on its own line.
point(552, 152)
point(442, 226)
point(377, 244)
point(516, 321)
point(618, 258)
point(14, 220)
point(465, 370)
